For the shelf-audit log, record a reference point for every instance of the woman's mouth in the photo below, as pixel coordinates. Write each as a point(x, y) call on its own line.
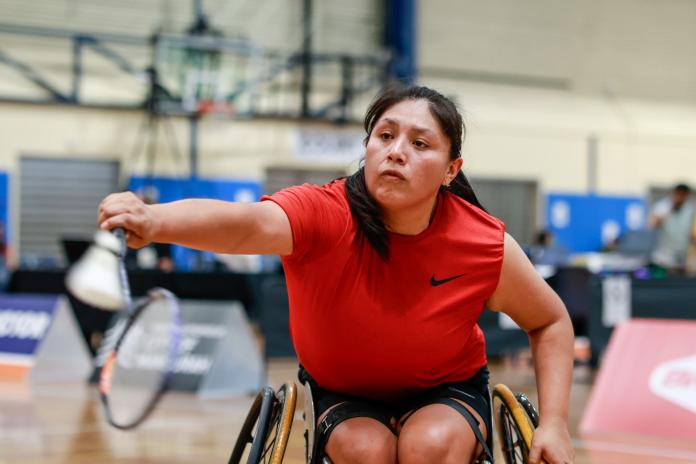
point(392, 175)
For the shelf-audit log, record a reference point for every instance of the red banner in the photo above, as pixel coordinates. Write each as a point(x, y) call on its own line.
point(647, 381)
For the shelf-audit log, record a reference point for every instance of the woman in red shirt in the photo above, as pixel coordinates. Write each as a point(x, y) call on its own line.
point(387, 273)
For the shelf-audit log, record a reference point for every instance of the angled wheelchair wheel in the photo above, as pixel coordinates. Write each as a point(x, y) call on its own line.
point(529, 408)
point(309, 420)
point(515, 424)
point(266, 429)
point(254, 428)
point(283, 413)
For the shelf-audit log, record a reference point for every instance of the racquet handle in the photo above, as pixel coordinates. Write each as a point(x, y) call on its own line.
point(120, 233)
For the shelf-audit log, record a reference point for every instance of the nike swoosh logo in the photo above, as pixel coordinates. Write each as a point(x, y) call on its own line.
point(434, 282)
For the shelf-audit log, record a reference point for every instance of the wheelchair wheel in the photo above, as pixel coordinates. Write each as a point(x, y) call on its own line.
point(529, 408)
point(309, 420)
point(266, 429)
point(254, 428)
point(280, 425)
point(514, 424)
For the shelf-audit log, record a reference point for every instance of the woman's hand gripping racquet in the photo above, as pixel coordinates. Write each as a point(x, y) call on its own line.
point(145, 348)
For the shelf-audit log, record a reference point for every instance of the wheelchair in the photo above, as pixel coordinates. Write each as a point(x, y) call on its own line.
point(266, 429)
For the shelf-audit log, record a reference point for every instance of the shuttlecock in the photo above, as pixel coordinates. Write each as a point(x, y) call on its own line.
point(95, 278)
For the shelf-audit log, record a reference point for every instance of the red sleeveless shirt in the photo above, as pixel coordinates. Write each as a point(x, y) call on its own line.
point(383, 330)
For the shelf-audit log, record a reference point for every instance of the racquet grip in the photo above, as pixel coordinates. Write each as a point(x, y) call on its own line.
point(120, 233)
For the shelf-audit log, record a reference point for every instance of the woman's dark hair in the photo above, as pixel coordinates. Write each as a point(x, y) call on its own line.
point(363, 207)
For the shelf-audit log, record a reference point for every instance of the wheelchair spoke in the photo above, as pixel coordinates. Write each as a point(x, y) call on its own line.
point(513, 445)
point(267, 426)
point(272, 434)
point(517, 419)
point(269, 447)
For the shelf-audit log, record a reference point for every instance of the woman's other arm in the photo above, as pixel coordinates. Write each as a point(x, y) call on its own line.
point(534, 306)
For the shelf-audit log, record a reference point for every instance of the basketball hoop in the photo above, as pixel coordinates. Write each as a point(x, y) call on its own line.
point(215, 109)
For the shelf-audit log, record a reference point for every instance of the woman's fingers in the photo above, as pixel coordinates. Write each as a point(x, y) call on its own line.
point(553, 445)
point(127, 211)
point(535, 454)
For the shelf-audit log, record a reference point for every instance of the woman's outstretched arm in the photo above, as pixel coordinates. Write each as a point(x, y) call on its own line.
point(213, 225)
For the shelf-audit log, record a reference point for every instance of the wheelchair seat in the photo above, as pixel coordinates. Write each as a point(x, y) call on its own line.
point(266, 429)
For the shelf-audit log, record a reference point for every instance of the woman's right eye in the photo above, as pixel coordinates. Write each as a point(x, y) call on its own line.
point(385, 135)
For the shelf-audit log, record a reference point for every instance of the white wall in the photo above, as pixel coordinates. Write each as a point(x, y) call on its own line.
point(631, 48)
point(255, 30)
point(339, 26)
point(512, 133)
point(227, 148)
point(543, 135)
point(535, 80)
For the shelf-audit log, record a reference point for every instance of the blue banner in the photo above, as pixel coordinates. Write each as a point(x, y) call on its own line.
point(585, 223)
point(166, 189)
point(4, 206)
point(24, 321)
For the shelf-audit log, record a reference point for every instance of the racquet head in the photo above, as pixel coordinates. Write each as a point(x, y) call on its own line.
point(139, 365)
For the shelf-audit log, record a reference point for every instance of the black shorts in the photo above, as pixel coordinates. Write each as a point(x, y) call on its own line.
point(473, 391)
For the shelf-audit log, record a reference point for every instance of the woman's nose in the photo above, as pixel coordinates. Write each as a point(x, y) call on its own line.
point(396, 152)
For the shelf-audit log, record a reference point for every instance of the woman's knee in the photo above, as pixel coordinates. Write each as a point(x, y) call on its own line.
point(425, 444)
point(361, 440)
point(428, 438)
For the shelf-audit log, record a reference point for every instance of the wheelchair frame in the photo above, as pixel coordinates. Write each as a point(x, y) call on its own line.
point(266, 429)
point(267, 426)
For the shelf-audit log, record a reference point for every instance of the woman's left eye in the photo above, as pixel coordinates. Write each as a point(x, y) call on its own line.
point(420, 144)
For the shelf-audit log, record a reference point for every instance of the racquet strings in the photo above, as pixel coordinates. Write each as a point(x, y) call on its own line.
point(136, 372)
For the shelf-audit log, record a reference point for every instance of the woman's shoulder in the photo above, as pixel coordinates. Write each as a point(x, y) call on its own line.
point(330, 193)
point(475, 215)
point(335, 188)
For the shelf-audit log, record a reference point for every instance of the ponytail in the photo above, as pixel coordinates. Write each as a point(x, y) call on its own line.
point(367, 214)
point(461, 187)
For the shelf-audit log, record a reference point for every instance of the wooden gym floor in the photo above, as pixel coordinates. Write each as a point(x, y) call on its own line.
point(63, 423)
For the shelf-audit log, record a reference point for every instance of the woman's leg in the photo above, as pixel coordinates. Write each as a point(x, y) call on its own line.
point(439, 433)
point(361, 440)
point(351, 429)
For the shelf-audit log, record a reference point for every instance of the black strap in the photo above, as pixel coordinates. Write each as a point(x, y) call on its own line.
point(473, 422)
point(336, 415)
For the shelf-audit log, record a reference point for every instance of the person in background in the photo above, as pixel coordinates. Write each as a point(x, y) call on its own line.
point(673, 218)
point(542, 241)
point(544, 238)
point(545, 250)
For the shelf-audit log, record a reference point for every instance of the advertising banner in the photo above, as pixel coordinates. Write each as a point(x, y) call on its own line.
point(647, 381)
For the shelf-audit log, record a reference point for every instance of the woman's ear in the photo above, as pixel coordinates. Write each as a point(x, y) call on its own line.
point(453, 169)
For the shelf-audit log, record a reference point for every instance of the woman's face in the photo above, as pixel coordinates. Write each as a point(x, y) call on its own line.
point(407, 157)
